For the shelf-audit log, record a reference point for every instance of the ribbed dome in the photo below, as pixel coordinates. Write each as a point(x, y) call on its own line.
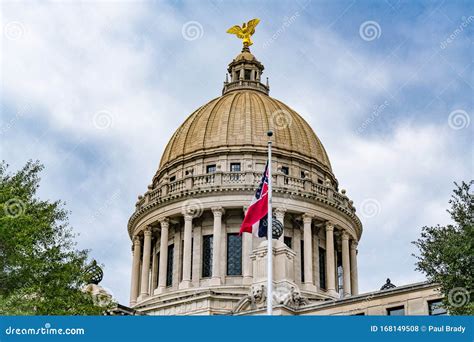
point(241, 118)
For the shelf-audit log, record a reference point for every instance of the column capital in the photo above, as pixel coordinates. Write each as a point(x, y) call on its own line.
point(188, 217)
point(136, 240)
point(164, 222)
point(217, 211)
point(147, 231)
point(344, 235)
point(353, 244)
point(280, 211)
point(329, 226)
point(307, 219)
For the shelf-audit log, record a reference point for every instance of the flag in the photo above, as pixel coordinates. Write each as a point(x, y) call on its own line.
point(255, 217)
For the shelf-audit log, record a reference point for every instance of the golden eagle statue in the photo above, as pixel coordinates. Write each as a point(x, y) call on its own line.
point(245, 32)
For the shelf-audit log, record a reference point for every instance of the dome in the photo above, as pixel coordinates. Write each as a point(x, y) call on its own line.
point(188, 255)
point(240, 119)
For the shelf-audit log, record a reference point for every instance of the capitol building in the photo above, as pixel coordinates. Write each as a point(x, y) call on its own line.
point(187, 255)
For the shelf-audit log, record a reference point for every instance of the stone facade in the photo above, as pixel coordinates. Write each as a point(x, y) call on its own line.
point(207, 177)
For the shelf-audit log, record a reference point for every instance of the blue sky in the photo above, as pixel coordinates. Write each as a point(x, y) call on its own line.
point(94, 90)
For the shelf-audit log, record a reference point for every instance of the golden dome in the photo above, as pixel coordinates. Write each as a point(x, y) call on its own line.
point(239, 121)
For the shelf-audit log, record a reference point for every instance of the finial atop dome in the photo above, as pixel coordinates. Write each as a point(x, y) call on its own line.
point(245, 32)
point(245, 70)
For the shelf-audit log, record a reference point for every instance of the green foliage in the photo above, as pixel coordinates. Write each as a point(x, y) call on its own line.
point(41, 271)
point(447, 253)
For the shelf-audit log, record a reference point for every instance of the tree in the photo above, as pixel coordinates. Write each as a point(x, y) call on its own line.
point(41, 271)
point(447, 253)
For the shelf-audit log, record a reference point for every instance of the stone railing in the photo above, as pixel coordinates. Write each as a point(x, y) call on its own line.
point(243, 180)
point(245, 84)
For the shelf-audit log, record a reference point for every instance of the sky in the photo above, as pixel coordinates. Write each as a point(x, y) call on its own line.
point(94, 90)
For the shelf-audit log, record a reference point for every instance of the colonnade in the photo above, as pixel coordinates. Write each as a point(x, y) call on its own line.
point(147, 281)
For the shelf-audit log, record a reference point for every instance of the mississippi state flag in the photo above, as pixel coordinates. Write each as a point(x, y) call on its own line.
point(255, 218)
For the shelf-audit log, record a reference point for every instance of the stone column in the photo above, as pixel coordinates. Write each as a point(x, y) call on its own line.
point(247, 264)
point(308, 252)
point(144, 292)
point(297, 249)
point(316, 261)
point(197, 254)
point(137, 251)
point(354, 275)
point(280, 216)
point(330, 267)
point(154, 270)
point(187, 256)
point(163, 254)
point(346, 265)
point(216, 246)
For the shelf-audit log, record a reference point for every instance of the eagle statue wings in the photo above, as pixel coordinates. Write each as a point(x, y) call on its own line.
point(245, 32)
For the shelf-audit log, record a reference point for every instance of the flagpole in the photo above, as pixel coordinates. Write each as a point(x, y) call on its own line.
point(269, 231)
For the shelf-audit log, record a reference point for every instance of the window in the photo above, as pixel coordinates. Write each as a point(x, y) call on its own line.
point(396, 311)
point(302, 260)
point(359, 314)
point(172, 178)
point(340, 280)
point(234, 254)
point(247, 74)
point(207, 256)
point(287, 241)
point(157, 269)
point(235, 167)
point(322, 268)
point(285, 170)
point(211, 168)
point(435, 308)
point(320, 181)
point(169, 266)
point(303, 174)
